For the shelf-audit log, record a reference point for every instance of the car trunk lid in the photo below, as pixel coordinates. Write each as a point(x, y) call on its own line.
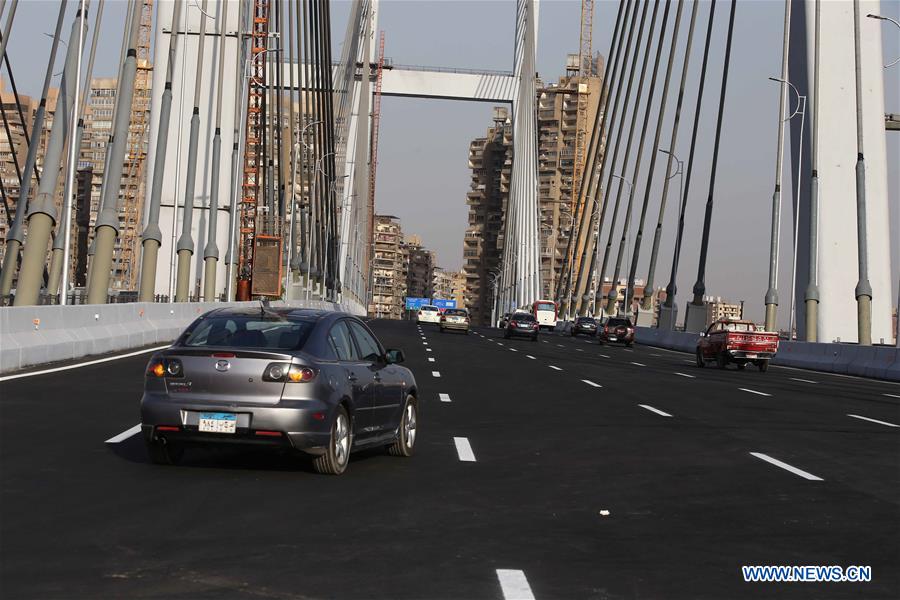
point(225, 376)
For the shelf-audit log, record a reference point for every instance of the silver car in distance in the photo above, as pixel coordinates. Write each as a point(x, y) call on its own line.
point(312, 381)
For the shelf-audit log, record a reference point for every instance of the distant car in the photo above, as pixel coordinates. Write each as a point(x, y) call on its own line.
point(504, 320)
point(428, 314)
point(456, 319)
point(617, 329)
point(315, 382)
point(736, 341)
point(521, 324)
point(585, 325)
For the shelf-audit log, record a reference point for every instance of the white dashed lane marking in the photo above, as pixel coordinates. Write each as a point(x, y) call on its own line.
point(513, 350)
point(124, 435)
point(464, 449)
point(554, 367)
point(655, 410)
point(873, 420)
point(637, 364)
point(605, 355)
point(430, 359)
point(803, 380)
point(435, 373)
point(530, 356)
point(444, 397)
point(892, 396)
point(591, 383)
point(786, 467)
point(684, 375)
point(514, 585)
point(754, 392)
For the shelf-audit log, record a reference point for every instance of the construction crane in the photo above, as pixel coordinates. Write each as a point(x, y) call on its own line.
point(376, 118)
point(133, 182)
point(581, 92)
point(253, 168)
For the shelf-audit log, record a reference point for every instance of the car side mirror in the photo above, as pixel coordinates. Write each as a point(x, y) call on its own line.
point(394, 357)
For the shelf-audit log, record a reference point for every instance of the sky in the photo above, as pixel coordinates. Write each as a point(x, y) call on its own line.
point(422, 172)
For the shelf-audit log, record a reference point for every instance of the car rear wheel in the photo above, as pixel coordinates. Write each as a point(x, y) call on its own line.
point(534, 338)
point(763, 366)
point(405, 443)
point(337, 454)
point(699, 356)
point(721, 360)
point(165, 453)
point(741, 366)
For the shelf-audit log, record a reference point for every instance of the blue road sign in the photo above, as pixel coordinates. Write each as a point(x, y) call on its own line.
point(415, 303)
point(444, 303)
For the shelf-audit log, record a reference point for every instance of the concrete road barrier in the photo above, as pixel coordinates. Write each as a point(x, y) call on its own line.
point(37, 335)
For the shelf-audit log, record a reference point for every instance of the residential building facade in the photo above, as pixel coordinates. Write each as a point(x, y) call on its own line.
point(388, 269)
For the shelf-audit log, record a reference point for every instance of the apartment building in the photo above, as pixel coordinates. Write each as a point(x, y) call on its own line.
point(442, 283)
point(389, 269)
point(559, 131)
point(490, 159)
point(419, 270)
point(561, 127)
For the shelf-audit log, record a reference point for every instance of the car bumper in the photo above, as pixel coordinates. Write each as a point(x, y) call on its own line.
point(748, 355)
point(428, 319)
point(294, 420)
point(523, 332)
point(585, 331)
point(461, 326)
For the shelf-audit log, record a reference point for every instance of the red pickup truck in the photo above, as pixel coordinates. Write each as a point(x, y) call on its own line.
point(737, 341)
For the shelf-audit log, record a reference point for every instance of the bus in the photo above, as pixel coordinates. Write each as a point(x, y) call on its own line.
point(545, 313)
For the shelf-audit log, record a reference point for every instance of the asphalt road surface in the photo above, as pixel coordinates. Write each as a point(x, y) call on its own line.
point(556, 469)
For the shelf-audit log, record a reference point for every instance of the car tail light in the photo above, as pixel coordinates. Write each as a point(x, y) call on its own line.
point(165, 367)
point(167, 428)
point(266, 433)
point(299, 374)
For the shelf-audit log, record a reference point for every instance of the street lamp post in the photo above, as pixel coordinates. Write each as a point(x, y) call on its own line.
point(800, 110)
point(890, 20)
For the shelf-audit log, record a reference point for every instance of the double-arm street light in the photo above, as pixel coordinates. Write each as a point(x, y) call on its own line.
point(799, 110)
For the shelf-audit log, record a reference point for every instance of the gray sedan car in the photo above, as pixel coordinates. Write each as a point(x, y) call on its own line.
point(313, 381)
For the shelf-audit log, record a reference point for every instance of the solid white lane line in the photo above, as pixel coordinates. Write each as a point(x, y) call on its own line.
point(555, 368)
point(786, 466)
point(589, 382)
point(435, 373)
point(124, 435)
point(873, 420)
point(684, 375)
point(605, 355)
point(514, 585)
point(655, 410)
point(638, 364)
point(754, 392)
point(464, 449)
point(530, 356)
point(444, 397)
point(888, 395)
point(84, 364)
point(430, 359)
point(803, 380)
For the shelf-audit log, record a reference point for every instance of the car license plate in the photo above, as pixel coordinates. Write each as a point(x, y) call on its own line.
point(751, 355)
point(612, 338)
point(216, 422)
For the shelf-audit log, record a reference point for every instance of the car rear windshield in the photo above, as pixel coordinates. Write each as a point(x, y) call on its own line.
point(585, 321)
point(456, 312)
point(545, 306)
point(523, 317)
point(429, 308)
point(267, 333)
point(618, 323)
point(740, 327)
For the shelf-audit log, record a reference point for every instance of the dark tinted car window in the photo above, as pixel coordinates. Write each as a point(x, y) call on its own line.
point(340, 342)
point(523, 317)
point(368, 346)
point(272, 333)
point(585, 321)
point(619, 323)
point(456, 312)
